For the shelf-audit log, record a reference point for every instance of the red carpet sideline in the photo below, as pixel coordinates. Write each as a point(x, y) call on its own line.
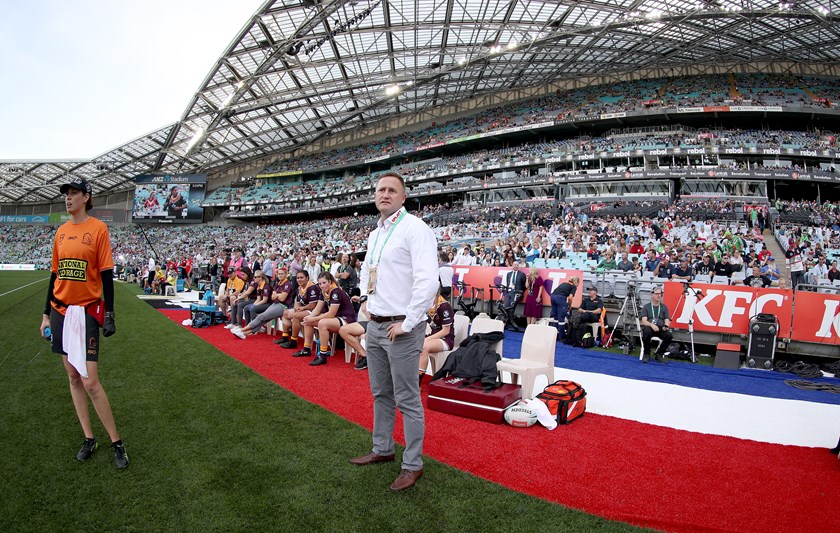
point(638, 473)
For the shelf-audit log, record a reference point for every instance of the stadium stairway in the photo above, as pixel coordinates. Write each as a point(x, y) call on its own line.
point(777, 252)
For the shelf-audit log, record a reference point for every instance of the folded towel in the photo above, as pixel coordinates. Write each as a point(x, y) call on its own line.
point(73, 338)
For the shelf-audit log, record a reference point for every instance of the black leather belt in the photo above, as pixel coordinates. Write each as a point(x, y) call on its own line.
point(380, 319)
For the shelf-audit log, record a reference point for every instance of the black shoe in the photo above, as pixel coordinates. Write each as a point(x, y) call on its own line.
point(89, 446)
point(361, 364)
point(660, 358)
point(120, 456)
point(319, 360)
point(646, 359)
point(305, 352)
point(279, 341)
point(288, 344)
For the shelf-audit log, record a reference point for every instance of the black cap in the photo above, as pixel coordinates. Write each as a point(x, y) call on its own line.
point(79, 184)
point(592, 288)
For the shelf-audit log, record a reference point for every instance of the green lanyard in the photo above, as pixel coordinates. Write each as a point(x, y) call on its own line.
point(656, 316)
point(373, 252)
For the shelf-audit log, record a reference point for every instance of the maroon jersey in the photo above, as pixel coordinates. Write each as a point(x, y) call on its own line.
point(311, 293)
point(345, 305)
point(444, 316)
point(288, 288)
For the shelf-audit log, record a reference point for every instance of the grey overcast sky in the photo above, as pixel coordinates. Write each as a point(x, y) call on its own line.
point(82, 77)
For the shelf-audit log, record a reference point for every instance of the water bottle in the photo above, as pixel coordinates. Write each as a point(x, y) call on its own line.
point(318, 346)
point(48, 333)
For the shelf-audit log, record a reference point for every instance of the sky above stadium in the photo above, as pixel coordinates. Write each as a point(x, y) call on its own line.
point(84, 77)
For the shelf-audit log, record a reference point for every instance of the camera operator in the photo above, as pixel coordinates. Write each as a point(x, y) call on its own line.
point(656, 322)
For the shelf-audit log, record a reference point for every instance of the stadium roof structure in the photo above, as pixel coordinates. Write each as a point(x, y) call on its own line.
point(305, 71)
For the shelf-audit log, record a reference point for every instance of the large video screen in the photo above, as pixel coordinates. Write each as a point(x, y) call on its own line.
point(169, 199)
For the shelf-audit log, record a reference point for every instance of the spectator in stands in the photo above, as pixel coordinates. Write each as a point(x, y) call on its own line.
point(608, 263)
point(664, 269)
point(312, 267)
point(464, 257)
point(589, 312)
point(771, 270)
point(561, 301)
point(270, 267)
point(652, 261)
point(818, 271)
point(348, 278)
point(656, 322)
point(833, 273)
point(638, 268)
point(441, 319)
point(307, 297)
point(281, 298)
point(736, 261)
point(722, 267)
point(445, 273)
point(684, 271)
point(795, 262)
point(706, 267)
point(624, 264)
point(756, 279)
point(335, 310)
point(296, 266)
point(637, 247)
point(534, 299)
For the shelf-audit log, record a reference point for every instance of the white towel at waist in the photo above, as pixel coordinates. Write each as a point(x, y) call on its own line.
point(73, 338)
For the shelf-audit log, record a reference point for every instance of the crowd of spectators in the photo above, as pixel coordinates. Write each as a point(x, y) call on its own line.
point(657, 237)
point(268, 198)
point(755, 89)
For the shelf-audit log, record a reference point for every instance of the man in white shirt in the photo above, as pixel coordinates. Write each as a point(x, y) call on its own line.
point(398, 282)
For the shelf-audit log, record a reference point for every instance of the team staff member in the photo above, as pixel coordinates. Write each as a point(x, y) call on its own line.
point(82, 273)
point(561, 301)
point(442, 337)
point(334, 311)
point(399, 280)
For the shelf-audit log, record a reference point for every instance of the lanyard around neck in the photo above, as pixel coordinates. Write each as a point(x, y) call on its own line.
point(387, 237)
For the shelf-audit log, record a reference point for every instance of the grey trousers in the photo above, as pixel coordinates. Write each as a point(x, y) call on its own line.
point(273, 311)
point(392, 368)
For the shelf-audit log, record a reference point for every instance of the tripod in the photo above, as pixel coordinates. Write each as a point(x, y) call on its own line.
point(629, 309)
point(694, 294)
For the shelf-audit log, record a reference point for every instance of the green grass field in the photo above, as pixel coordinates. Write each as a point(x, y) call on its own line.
point(213, 446)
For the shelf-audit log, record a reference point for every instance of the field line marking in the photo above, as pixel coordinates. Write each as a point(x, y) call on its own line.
point(23, 287)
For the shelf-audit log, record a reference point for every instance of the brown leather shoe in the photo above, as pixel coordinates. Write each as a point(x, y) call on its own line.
point(371, 458)
point(406, 479)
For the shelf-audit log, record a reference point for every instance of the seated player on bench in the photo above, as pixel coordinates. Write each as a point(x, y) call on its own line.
point(442, 337)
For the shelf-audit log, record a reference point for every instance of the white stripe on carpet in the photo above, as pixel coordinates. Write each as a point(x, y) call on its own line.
point(758, 418)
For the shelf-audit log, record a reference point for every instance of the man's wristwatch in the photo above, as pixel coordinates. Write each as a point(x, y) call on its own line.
point(363, 299)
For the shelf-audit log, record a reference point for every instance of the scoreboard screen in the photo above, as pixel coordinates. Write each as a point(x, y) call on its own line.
point(169, 199)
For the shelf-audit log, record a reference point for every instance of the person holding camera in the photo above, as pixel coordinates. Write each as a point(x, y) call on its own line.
point(656, 322)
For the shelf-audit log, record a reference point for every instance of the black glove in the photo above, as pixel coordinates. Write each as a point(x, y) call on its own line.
point(110, 327)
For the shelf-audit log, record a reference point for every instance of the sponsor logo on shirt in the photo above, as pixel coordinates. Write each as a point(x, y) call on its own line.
point(72, 269)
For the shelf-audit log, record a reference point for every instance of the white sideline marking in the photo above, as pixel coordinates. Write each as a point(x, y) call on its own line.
point(23, 287)
point(774, 420)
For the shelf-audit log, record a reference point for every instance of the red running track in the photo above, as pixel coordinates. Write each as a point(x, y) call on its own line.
point(623, 470)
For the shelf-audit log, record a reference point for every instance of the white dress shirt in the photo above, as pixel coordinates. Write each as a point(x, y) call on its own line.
point(407, 272)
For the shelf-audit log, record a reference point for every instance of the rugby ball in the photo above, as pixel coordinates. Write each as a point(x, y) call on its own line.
point(520, 415)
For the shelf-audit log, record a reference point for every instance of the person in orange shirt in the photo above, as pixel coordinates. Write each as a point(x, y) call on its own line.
point(82, 275)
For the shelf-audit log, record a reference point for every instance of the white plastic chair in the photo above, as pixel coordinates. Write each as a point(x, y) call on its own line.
point(486, 325)
point(537, 358)
point(462, 326)
point(349, 353)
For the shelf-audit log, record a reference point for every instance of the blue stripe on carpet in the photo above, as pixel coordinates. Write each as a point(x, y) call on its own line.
point(745, 381)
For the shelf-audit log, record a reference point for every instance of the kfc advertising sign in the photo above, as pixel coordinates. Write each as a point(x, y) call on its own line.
point(726, 309)
point(817, 318)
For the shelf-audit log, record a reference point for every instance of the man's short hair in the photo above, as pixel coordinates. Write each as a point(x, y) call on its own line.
point(392, 175)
